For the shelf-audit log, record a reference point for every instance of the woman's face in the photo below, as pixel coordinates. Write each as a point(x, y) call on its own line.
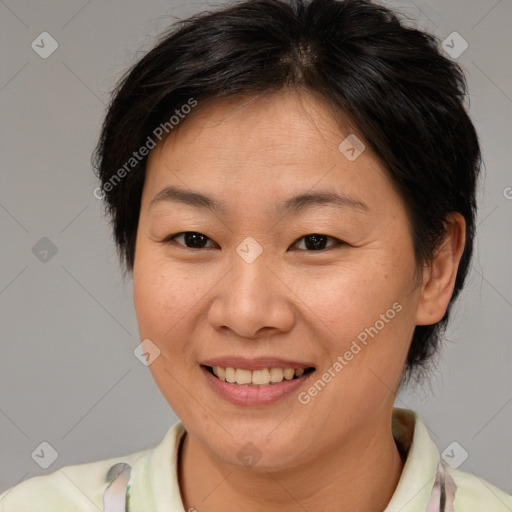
point(253, 288)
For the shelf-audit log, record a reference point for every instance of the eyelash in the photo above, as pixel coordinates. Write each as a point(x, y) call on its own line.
point(170, 239)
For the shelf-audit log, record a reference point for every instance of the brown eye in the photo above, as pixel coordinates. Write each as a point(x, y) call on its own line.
point(194, 240)
point(191, 239)
point(316, 242)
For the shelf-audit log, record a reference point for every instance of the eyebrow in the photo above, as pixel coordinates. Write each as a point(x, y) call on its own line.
point(294, 205)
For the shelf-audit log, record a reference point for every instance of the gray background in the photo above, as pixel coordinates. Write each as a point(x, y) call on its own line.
point(68, 330)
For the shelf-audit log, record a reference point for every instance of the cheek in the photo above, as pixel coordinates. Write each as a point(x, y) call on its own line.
point(169, 300)
point(365, 314)
point(161, 297)
point(351, 297)
point(161, 303)
point(164, 304)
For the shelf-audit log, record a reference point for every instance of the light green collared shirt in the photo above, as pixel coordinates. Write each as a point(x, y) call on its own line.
point(150, 481)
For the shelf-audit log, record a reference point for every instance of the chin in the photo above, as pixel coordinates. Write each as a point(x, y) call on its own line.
point(256, 450)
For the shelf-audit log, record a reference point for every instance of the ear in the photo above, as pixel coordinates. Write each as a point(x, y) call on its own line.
point(439, 277)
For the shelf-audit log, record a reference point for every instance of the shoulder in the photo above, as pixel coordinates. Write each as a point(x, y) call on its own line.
point(81, 487)
point(459, 490)
point(77, 487)
point(473, 493)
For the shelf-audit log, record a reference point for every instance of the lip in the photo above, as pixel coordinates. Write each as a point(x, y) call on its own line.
point(257, 363)
point(253, 395)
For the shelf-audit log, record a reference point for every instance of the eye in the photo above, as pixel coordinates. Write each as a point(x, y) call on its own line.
point(316, 241)
point(192, 239)
point(195, 240)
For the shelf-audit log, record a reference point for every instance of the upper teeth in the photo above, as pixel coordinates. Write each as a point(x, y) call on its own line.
point(257, 377)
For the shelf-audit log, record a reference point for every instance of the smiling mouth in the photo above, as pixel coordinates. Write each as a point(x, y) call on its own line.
point(257, 378)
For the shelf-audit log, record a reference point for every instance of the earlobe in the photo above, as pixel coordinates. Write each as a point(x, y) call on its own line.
point(439, 276)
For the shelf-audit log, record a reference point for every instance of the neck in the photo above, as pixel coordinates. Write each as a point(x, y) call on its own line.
point(359, 475)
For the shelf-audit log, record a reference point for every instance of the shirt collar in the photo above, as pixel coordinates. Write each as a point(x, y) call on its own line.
point(414, 490)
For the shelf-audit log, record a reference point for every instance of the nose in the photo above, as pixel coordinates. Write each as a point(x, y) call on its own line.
point(253, 300)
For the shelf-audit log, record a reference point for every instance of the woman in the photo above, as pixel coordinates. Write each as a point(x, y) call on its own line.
point(292, 186)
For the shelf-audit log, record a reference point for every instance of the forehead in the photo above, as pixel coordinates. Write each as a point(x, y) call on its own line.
point(287, 124)
point(263, 146)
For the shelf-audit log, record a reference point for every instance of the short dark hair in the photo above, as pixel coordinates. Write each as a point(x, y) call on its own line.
point(392, 81)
